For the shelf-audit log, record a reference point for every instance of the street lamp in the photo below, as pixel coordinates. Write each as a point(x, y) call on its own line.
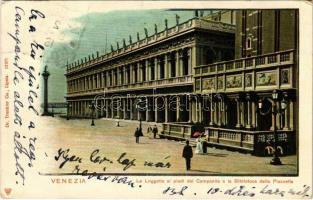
point(275, 111)
point(68, 107)
point(92, 107)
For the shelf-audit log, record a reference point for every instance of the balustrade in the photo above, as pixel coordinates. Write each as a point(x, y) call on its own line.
point(267, 60)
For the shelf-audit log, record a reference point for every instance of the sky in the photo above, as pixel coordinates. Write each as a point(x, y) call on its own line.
point(92, 32)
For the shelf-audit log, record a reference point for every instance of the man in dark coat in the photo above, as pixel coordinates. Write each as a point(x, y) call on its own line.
point(154, 131)
point(187, 154)
point(137, 134)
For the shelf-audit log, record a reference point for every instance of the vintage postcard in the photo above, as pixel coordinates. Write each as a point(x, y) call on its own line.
point(156, 99)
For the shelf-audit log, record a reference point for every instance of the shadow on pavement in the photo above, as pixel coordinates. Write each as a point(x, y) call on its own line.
point(217, 154)
point(198, 170)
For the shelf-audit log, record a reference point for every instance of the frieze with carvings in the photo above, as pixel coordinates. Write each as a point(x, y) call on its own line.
point(197, 84)
point(266, 78)
point(248, 80)
point(234, 81)
point(220, 82)
point(285, 76)
point(208, 84)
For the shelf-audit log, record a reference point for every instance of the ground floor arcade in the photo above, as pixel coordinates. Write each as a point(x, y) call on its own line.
point(235, 111)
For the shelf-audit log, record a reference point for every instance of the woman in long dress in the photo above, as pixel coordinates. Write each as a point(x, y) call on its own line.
point(199, 149)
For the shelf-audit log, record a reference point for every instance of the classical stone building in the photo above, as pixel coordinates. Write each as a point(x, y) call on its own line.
point(266, 60)
point(187, 74)
point(146, 79)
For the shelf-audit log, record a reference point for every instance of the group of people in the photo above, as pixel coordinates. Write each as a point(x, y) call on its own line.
point(138, 132)
point(202, 144)
point(154, 130)
point(201, 148)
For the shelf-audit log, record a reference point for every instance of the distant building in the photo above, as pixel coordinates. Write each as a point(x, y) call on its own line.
point(186, 74)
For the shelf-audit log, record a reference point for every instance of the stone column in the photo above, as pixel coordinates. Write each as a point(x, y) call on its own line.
point(286, 123)
point(166, 109)
point(148, 110)
point(181, 63)
point(211, 113)
point(98, 80)
point(106, 78)
point(102, 80)
point(253, 123)
point(93, 81)
point(139, 69)
point(238, 125)
point(278, 116)
point(156, 68)
point(219, 113)
point(106, 108)
point(200, 113)
point(248, 125)
point(169, 65)
point(126, 81)
point(138, 114)
point(197, 109)
point(195, 58)
point(291, 117)
point(215, 110)
point(189, 60)
point(131, 114)
point(225, 119)
point(124, 108)
point(112, 77)
point(156, 119)
point(178, 70)
point(74, 108)
point(194, 110)
point(190, 108)
point(166, 67)
point(148, 70)
point(89, 82)
point(118, 75)
point(178, 109)
point(242, 114)
point(75, 81)
point(273, 119)
point(131, 76)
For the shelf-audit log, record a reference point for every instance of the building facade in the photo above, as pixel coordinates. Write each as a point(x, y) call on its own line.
point(139, 80)
point(266, 60)
point(187, 74)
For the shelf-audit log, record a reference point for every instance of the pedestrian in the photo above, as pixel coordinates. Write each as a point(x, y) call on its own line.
point(187, 154)
point(205, 143)
point(137, 134)
point(149, 129)
point(199, 149)
point(155, 131)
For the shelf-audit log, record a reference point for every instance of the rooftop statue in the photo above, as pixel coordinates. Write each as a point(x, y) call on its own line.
point(130, 39)
point(124, 43)
point(146, 32)
point(166, 26)
point(177, 19)
point(196, 13)
point(138, 38)
point(155, 29)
